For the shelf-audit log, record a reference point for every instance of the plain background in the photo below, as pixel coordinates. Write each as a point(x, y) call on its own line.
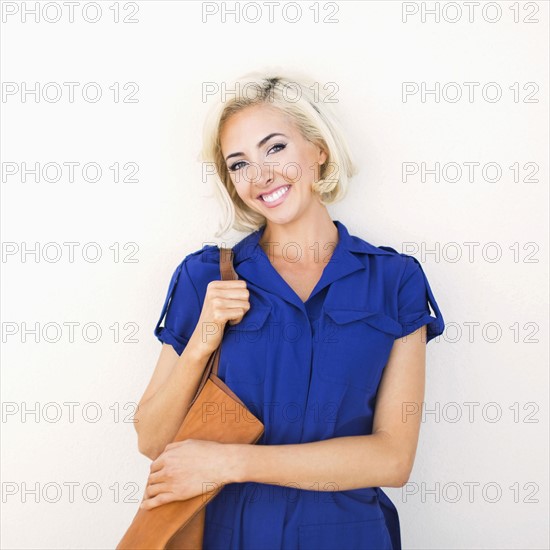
point(481, 474)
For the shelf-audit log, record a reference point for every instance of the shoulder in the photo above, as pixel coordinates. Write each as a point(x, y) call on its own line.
point(382, 257)
point(202, 265)
point(385, 263)
point(209, 253)
point(405, 266)
point(404, 263)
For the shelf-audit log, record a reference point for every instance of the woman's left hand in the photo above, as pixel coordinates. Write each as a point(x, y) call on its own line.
point(185, 469)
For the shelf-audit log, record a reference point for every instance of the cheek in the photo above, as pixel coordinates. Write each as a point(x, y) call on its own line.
point(302, 169)
point(243, 178)
point(244, 191)
point(306, 175)
point(293, 170)
point(240, 186)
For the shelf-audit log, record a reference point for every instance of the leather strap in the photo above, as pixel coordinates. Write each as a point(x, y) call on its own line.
point(227, 273)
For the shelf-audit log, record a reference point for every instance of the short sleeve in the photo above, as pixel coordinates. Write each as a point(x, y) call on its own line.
point(414, 300)
point(181, 308)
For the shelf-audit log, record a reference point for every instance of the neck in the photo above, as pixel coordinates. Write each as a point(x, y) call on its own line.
point(308, 239)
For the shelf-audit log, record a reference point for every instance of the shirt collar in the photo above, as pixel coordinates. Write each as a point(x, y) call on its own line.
point(252, 264)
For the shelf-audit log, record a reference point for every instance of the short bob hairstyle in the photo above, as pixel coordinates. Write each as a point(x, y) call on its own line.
point(302, 100)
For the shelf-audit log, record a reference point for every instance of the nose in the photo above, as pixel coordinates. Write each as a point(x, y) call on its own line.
point(264, 175)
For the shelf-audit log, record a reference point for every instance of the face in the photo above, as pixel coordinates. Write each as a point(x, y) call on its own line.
point(271, 164)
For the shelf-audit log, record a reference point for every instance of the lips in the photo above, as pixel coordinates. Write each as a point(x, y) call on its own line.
point(267, 194)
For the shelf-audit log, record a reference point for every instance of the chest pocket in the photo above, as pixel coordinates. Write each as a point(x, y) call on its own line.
point(245, 346)
point(355, 346)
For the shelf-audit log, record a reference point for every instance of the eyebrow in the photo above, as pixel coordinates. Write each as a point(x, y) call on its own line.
point(260, 143)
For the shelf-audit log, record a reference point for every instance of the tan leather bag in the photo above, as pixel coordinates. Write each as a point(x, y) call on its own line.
point(180, 524)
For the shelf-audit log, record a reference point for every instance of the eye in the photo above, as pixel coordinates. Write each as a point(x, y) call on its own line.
point(282, 145)
point(233, 167)
point(236, 166)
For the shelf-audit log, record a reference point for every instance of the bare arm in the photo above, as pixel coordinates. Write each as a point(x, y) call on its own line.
point(164, 404)
point(175, 380)
point(383, 459)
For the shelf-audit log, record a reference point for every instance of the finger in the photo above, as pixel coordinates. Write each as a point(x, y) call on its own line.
point(237, 312)
point(173, 445)
point(232, 283)
point(155, 477)
point(163, 498)
point(239, 292)
point(225, 289)
point(236, 320)
point(232, 302)
point(157, 489)
point(149, 485)
point(157, 464)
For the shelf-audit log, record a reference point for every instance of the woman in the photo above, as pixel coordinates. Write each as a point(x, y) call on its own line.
point(315, 344)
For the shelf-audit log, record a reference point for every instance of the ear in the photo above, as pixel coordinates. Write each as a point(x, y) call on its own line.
point(322, 156)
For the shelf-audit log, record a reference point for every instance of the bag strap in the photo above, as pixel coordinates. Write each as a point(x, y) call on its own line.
point(227, 273)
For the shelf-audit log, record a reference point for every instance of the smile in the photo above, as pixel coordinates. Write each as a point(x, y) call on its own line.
point(275, 195)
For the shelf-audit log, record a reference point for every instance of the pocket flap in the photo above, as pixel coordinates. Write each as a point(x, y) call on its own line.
point(253, 319)
point(376, 319)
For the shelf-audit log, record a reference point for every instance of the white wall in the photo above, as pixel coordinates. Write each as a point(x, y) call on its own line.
point(367, 54)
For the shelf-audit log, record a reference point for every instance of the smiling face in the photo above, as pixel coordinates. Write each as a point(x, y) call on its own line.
point(271, 164)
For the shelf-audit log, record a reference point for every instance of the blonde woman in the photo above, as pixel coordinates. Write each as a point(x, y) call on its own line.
point(325, 342)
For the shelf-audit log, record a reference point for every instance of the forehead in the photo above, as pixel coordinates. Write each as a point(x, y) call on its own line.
point(254, 123)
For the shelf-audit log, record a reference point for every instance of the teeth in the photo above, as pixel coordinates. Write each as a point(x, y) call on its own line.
point(274, 196)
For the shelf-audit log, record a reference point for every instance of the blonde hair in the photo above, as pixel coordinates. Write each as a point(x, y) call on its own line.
point(295, 96)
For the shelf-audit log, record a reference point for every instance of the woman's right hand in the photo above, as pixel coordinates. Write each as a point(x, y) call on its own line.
point(225, 301)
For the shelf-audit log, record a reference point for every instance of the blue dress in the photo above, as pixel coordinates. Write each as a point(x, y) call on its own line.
point(309, 371)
